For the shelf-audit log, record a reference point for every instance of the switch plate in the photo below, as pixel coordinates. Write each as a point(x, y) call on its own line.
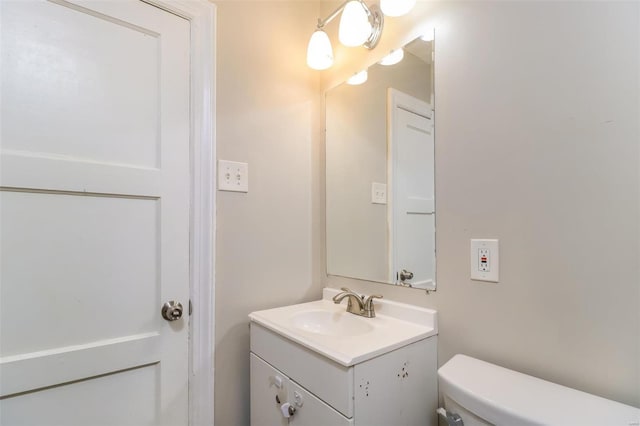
point(233, 176)
point(485, 260)
point(378, 193)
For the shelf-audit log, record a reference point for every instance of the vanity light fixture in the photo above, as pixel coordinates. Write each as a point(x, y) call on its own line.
point(396, 7)
point(355, 27)
point(358, 78)
point(393, 58)
point(319, 52)
point(359, 25)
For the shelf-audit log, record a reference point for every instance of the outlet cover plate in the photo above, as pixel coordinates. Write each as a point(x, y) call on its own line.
point(378, 193)
point(233, 176)
point(485, 260)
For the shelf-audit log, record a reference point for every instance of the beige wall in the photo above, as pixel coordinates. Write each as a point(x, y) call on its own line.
point(267, 115)
point(539, 99)
point(537, 144)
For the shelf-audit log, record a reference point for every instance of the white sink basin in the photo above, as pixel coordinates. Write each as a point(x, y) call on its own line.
point(328, 329)
point(331, 323)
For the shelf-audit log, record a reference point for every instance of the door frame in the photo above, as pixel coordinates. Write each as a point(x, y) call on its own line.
point(202, 16)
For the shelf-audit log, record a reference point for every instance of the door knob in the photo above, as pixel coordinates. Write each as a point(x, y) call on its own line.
point(405, 275)
point(172, 310)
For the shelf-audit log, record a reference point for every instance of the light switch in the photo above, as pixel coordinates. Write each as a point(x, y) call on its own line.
point(378, 193)
point(485, 260)
point(233, 176)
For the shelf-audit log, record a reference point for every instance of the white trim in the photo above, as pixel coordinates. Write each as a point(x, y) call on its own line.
point(202, 16)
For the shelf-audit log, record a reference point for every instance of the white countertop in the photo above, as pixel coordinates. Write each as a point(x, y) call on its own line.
point(395, 325)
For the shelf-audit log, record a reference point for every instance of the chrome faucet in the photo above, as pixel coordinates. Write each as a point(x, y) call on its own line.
point(357, 305)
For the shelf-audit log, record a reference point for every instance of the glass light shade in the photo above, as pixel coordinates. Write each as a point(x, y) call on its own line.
point(354, 28)
point(319, 51)
point(393, 58)
point(396, 7)
point(358, 78)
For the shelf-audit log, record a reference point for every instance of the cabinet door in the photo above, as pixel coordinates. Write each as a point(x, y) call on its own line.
point(399, 388)
point(311, 411)
point(267, 383)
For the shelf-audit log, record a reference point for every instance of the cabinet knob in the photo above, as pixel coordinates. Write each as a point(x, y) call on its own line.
point(287, 410)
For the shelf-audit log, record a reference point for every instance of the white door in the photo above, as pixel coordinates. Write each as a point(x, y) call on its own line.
point(412, 201)
point(94, 213)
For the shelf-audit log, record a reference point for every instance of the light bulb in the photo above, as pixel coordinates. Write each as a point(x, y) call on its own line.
point(319, 51)
point(396, 7)
point(358, 78)
point(355, 27)
point(393, 58)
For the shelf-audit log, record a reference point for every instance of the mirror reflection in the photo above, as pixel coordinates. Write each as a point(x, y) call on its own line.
point(380, 172)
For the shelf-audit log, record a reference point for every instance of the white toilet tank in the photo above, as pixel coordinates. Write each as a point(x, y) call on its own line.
point(486, 394)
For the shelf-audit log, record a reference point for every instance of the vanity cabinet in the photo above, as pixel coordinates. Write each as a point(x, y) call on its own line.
point(271, 389)
point(395, 388)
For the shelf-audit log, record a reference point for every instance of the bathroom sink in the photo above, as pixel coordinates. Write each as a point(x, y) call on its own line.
point(328, 329)
point(331, 323)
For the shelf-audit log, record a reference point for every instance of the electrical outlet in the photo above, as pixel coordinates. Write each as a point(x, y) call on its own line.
point(233, 176)
point(484, 255)
point(485, 260)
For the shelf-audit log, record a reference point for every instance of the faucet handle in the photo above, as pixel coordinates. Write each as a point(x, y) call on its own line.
point(369, 299)
point(369, 309)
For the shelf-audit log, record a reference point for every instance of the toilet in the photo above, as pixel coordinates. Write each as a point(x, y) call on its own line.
point(479, 393)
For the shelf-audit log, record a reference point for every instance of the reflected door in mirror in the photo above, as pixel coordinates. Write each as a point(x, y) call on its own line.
point(412, 204)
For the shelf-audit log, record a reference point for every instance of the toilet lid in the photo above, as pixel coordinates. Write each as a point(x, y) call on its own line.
point(506, 397)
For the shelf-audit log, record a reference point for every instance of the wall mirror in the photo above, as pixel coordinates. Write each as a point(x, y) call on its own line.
point(380, 173)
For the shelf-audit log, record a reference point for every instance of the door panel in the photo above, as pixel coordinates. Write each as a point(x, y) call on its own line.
point(131, 397)
point(94, 213)
point(68, 71)
point(412, 193)
point(69, 275)
point(415, 202)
